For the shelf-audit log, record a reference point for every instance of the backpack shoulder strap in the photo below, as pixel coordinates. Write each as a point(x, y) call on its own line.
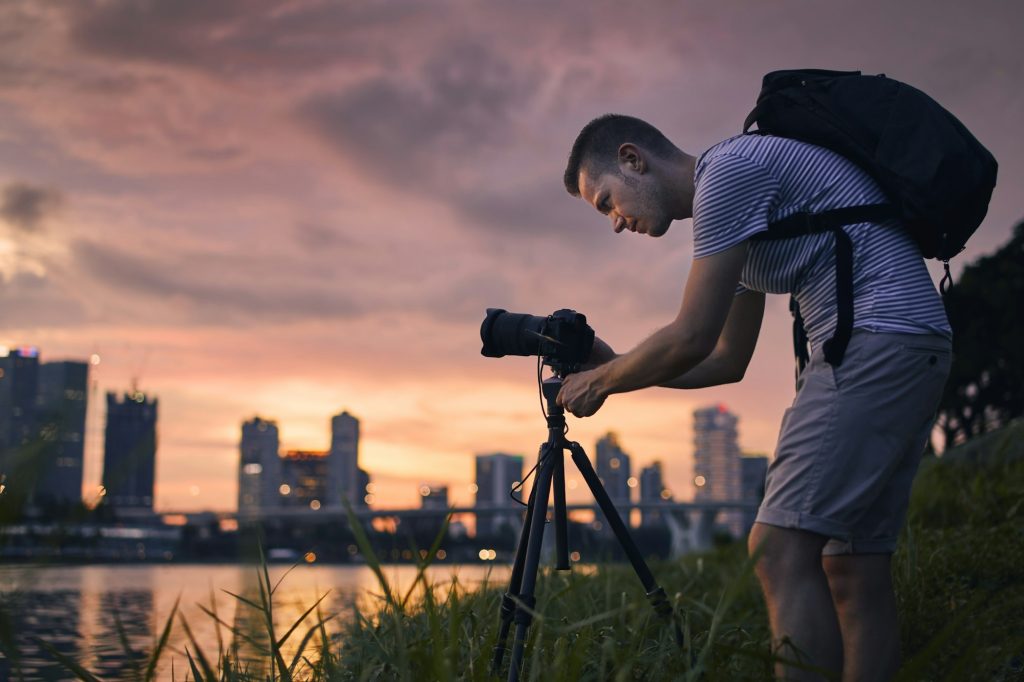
point(833, 220)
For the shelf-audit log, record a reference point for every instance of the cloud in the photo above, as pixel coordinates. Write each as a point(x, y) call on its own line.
point(232, 38)
point(426, 127)
point(26, 207)
point(212, 289)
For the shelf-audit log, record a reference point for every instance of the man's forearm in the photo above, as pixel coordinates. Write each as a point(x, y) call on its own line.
point(663, 357)
point(714, 370)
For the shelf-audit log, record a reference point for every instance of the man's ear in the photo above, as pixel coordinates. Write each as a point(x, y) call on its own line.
point(632, 157)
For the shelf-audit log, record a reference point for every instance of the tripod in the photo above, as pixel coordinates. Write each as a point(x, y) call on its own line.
point(518, 603)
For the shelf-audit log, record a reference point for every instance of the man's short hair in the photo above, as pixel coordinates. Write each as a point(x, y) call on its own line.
point(596, 149)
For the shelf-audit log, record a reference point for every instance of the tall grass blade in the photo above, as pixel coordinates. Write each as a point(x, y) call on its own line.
point(198, 676)
point(301, 618)
point(367, 550)
point(158, 651)
point(131, 658)
point(207, 669)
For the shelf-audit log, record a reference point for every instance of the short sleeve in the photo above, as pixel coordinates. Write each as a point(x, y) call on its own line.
point(733, 200)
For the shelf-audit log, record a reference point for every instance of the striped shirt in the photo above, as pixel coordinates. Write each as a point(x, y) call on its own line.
point(749, 181)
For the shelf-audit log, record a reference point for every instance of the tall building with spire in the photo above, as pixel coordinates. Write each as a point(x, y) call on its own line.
point(129, 451)
point(716, 462)
point(259, 470)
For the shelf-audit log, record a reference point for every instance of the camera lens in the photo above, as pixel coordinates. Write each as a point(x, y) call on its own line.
point(504, 333)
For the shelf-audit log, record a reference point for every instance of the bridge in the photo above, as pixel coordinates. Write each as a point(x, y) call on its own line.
point(690, 524)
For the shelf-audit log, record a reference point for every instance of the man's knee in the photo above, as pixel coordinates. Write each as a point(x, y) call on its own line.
point(784, 555)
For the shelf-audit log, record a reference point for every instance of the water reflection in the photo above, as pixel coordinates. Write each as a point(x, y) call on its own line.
point(107, 618)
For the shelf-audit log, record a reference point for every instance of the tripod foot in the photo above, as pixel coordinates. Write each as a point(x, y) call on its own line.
point(659, 600)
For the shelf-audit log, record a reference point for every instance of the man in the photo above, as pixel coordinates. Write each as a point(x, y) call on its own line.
point(837, 490)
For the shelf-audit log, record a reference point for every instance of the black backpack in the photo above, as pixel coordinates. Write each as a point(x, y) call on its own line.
point(937, 177)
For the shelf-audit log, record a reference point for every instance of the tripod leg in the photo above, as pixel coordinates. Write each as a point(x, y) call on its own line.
point(527, 601)
point(561, 540)
point(655, 594)
point(508, 604)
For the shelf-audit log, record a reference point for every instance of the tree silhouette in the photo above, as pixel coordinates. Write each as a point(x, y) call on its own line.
point(986, 384)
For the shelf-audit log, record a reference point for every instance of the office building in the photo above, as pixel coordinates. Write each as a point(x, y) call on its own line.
point(344, 479)
point(305, 475)
point(259, 471)
point(129, 452)
point(19, 382)
point(613, 469)
point(716, 462)
point(61, 407)
point(496, 474)
point(652, 489)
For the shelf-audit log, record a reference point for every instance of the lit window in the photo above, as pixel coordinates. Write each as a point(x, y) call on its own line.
point(253, 469)
point(314, 505)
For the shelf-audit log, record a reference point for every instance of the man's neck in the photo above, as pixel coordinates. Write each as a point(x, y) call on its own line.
point(681, 169)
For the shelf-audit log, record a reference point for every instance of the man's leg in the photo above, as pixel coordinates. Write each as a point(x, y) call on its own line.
point(865, 603)
point(800, 607)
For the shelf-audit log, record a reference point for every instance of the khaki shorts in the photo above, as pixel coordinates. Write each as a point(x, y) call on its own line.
point(851, 442)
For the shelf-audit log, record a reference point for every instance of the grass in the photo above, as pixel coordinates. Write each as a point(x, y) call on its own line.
point(959, 574)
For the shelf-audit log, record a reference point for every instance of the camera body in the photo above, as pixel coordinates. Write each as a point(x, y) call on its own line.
point(563, 339)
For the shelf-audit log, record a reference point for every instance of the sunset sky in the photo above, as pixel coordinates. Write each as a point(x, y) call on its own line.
point(288, 209)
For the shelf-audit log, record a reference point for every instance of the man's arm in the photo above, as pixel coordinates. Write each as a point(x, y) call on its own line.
point(728, 362)
point(672, 350)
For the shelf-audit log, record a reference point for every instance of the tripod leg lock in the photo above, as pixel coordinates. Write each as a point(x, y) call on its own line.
point(659, 600)
point(508, 607)
point(524, 614)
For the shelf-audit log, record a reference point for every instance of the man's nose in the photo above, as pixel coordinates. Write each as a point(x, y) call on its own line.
point(618, 223)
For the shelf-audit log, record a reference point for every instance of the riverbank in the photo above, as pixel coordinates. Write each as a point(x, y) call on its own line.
point(959, 575)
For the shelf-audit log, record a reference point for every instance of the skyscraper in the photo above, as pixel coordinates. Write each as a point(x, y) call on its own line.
point(343, 474)
point(129, 452)
point(613, 469)
point(652, 486)
point(753, 469)
point(496, 473)
point(305, 475)
point(259, 471)
point(19, 381)
point(716, 462)
point(61, 405)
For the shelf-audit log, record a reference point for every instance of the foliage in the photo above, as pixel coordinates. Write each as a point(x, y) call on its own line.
point(984, 391)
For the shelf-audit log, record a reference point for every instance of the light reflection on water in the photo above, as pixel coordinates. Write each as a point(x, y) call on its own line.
point(77, 609)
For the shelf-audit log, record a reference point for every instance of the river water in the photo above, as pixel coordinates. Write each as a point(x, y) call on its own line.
point(82, 611)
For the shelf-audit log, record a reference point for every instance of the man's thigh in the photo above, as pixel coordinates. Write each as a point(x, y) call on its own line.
point(852, 439)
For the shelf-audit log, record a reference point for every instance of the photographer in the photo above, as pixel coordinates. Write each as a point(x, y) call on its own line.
point(849, 446)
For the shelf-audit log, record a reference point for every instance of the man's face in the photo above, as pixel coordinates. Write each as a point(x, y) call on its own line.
point(632, 201)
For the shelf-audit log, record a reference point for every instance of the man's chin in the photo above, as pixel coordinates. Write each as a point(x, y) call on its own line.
point(659, 230)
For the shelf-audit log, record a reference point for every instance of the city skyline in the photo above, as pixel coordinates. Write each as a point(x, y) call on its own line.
point(287, 209)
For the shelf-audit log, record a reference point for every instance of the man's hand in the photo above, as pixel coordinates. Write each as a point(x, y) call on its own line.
point(581, 393)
